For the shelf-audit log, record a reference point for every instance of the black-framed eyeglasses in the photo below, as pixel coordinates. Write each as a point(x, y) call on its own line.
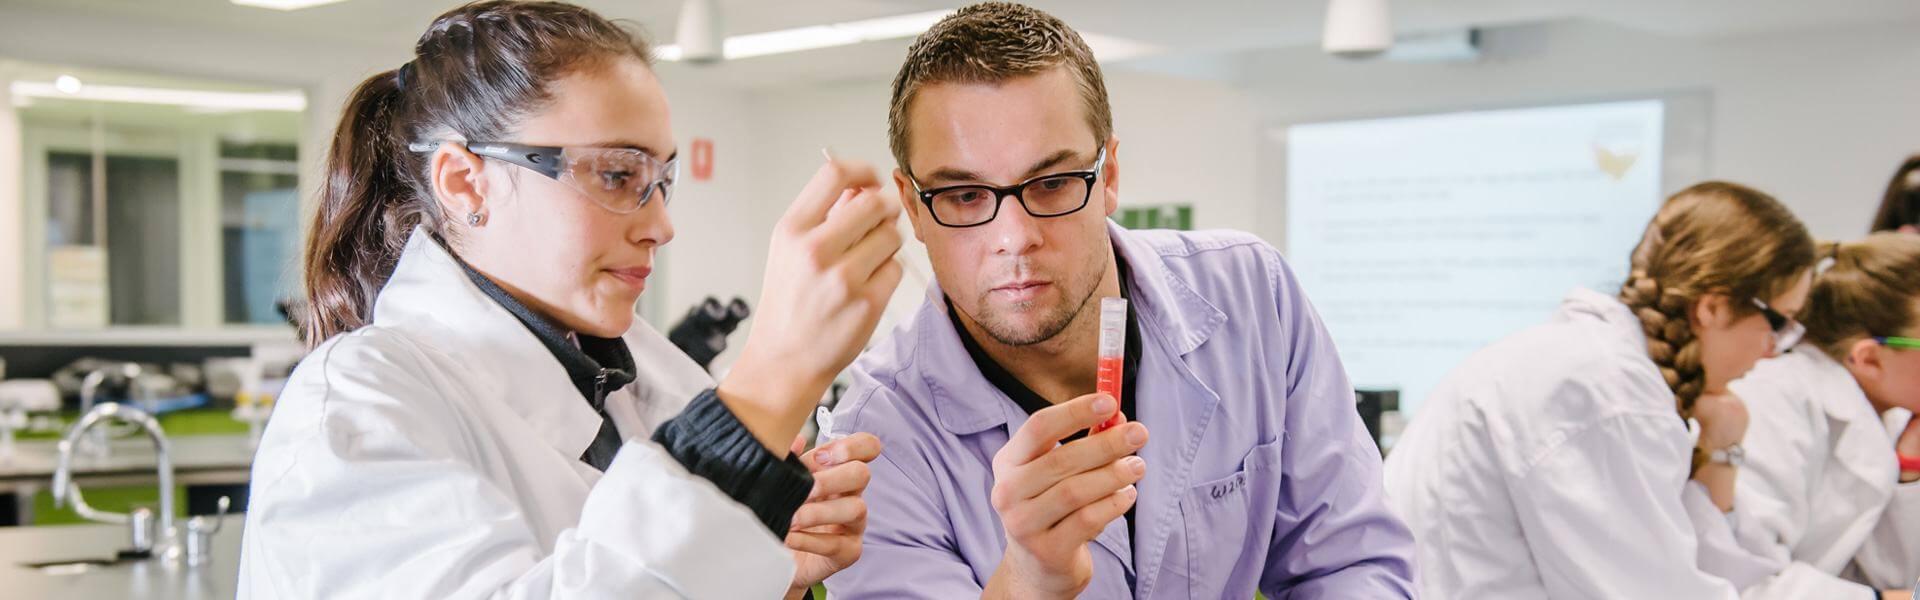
point(1786, 330)
point(621, 180)
point(973, 205)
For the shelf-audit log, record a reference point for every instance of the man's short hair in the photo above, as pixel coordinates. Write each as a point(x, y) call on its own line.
point(993, 42)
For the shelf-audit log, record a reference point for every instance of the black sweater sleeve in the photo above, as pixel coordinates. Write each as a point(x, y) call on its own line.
point(710, 442)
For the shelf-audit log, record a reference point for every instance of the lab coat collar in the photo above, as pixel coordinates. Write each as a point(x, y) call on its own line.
point(1583, 302)
point(430, 297)
point(965, 402)
point(1860, 439)
point(1186, 319)
point(1168, 308)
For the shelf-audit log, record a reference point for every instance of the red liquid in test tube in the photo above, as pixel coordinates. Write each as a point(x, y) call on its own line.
point(1113, 351)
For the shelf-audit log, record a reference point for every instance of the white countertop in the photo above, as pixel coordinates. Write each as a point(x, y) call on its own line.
point(151, 579)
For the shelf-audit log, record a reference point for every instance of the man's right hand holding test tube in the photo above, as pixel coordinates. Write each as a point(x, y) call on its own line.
point(1054, 499)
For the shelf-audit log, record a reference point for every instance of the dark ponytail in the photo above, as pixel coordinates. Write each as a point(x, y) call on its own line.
point(1901, 205)
point(357, 232)
point(476, 71)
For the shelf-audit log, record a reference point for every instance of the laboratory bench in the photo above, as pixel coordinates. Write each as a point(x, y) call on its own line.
point(206, 466)
point(143, 579)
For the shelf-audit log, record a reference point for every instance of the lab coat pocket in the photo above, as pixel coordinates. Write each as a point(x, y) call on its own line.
point(1226, 529)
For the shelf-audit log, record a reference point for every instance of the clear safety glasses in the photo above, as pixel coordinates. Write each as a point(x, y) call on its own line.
point(621, 180)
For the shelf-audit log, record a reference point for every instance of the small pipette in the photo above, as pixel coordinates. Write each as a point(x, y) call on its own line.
point(823, 418)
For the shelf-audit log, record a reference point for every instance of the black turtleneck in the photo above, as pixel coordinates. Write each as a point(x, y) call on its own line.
point(597, 366)
point(705, 437)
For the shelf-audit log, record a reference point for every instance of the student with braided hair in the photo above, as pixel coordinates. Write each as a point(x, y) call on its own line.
point(1595, 455)
point(1833, 487)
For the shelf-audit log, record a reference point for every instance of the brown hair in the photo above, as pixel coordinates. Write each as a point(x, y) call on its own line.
point(475, 73)
point(993, 42)
point(1901, 206)
point(1870, 290)
point(1714, 237)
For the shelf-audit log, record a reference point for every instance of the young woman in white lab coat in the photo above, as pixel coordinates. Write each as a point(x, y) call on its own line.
point(1824, 477)
point(485, 416)
point(1558, 462)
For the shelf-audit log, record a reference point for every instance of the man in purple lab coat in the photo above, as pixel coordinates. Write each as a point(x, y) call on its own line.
point(1258, 474)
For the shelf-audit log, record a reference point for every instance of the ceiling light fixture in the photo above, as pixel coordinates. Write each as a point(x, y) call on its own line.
point(284, 4)
point(699, 37)
point(848, 33)
point(284, 101)
point(1107, 48)
point(1357, 28)
point(812, 37)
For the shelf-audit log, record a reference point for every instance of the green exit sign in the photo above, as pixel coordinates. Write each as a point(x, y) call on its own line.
point(1167, 216)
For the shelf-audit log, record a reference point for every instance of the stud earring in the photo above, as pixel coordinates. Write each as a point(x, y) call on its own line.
point(473, 219)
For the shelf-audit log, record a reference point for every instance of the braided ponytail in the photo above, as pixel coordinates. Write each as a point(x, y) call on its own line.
point(1670, 341)
point(1712, 238)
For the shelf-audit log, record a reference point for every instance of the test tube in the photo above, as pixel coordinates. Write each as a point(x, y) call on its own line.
point(1113, 352)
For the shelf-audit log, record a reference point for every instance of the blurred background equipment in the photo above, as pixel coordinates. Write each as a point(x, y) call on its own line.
point(1380, 411)
point(702, 333)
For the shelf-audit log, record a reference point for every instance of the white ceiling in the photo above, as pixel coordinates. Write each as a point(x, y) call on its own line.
point(1183, 28)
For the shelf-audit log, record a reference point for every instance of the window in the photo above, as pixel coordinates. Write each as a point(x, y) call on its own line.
point(259, 230)
point(155, 202)
point(140, 283)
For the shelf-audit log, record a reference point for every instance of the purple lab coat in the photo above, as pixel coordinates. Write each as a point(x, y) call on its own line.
point(1260, 475)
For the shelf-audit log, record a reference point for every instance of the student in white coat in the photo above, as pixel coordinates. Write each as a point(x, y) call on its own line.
point(485, 417)
point(1824, 476)
point(1558, 462)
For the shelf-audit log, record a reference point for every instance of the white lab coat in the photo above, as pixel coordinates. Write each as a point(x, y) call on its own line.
point(1552, 465)
point(1822, 480)
point(436, 454)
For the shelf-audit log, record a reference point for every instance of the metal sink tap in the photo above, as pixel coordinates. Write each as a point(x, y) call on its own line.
point(95, 443)
point(140, 520)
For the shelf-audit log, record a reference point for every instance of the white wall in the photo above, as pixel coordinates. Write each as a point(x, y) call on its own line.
point(12, 230)
point(1818, 119)
point(720, 225)
point(1187, 142)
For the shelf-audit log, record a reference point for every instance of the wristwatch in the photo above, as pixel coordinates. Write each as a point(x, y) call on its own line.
point(1734, 455)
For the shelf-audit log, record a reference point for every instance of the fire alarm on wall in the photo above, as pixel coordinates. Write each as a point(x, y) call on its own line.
point(700, 159)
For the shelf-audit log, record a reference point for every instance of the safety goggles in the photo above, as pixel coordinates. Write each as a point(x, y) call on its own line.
point(1786, 330)
point(1893, 341)
point(621, 180)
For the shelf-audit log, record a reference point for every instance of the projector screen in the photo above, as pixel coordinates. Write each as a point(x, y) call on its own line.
point(1422, 239)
